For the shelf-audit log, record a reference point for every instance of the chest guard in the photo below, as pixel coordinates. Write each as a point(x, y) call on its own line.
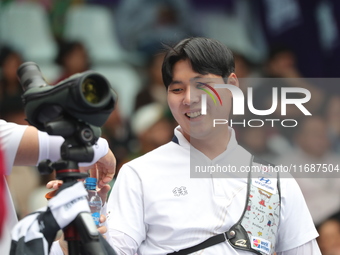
point(257, 227)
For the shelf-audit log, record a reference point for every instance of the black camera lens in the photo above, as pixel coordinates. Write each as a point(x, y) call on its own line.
point(91, 91)
point(30, 76)
point(86, 96)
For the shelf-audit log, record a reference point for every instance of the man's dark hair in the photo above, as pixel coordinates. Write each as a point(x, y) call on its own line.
point(205, 55)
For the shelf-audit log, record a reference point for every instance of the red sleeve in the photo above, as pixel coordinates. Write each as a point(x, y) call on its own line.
point(2, 192)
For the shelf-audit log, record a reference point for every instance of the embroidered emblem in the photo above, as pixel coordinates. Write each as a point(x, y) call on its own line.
point(181, 191)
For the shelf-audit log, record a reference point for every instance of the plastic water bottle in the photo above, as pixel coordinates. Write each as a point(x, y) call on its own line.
point(95, 202)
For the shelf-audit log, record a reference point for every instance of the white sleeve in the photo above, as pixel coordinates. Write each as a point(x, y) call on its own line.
point(296, 226)
point(49, 146)
point(10, 136)
point(310, 248)
point(125, 217)
point(122, 243)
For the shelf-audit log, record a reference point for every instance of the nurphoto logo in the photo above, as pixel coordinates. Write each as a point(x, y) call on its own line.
point(239, 99)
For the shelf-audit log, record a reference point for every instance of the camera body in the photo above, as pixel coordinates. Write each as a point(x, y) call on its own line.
point(86, 97)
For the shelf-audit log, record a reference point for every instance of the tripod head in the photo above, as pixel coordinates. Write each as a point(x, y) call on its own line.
point(77, 147)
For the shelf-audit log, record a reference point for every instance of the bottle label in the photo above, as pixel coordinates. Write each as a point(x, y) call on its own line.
point(95, 217)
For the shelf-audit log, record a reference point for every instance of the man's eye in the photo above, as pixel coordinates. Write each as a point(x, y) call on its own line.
point(176, 90)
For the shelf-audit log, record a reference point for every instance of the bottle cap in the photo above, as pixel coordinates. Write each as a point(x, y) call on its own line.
point(90, 182)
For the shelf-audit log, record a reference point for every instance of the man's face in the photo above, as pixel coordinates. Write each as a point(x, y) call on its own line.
point(184, 99)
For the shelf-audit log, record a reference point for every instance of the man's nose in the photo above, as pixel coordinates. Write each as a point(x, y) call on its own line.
point(191, 96)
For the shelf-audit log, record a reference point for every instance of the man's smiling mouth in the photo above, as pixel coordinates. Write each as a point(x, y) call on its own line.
point(192, 115)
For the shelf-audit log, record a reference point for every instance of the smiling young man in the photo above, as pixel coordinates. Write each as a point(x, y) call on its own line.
point(184, 99)
point(156, 207)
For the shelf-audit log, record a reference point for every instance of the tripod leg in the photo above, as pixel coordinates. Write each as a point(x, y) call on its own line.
point(90, 237)
point(73, 239)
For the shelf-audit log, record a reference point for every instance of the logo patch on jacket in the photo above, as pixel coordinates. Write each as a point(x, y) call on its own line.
point(181, 191)
point(260, 244)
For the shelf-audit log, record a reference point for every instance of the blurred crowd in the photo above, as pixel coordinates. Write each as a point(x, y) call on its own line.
point(291, 43)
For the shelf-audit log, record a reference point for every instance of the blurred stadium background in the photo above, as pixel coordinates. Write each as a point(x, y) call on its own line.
point(122, 38)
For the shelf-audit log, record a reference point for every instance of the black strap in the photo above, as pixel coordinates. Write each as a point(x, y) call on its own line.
point(220, 238)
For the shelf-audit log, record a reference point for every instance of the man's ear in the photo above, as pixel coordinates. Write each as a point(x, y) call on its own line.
point(232, 79)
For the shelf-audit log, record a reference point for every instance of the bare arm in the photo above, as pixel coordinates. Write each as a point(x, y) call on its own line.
point(28, 151)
